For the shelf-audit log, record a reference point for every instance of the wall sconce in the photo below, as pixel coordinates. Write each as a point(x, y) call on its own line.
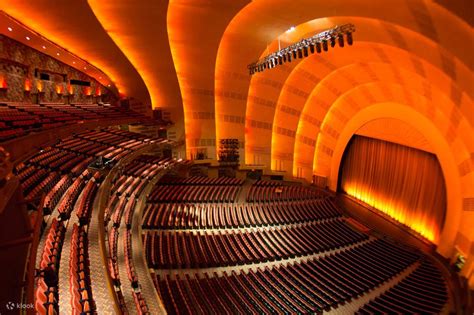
point(70, 89)
point(59, 89)
point(27, 86)
point(88, 91)
point(3, 83)
point(39, 87)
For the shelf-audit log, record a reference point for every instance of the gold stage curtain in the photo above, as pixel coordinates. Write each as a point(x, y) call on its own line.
point(405, 183)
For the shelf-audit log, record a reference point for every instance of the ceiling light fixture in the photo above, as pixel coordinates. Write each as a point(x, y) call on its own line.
point(57, 54)
point(44, 47)
point(10, 29)
point(323, 39)
point(27, 38)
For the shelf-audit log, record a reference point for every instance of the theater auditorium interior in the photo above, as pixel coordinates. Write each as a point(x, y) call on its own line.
point(236, 157)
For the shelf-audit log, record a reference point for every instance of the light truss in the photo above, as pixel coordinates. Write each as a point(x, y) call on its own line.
point(319, 42)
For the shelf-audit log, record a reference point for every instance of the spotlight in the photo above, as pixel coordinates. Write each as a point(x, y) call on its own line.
point(349, 38)
point(284, 58)
point(340, 40)
point(294, 54)
point(318, 47)
point(325, 45)
point(300, 54)
point(305, 51)
point(333, 41)
point(280, 61)
point(311, 48)
point(289, 57)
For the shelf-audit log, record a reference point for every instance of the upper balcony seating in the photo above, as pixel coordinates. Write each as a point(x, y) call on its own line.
point(17, 119)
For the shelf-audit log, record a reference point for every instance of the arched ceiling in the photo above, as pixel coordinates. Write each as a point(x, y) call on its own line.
point(190, 56)
point(73, 25)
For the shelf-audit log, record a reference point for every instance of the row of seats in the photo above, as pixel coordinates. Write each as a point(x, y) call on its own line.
point(194, 193)
point(82, 301)
point(272, 193)
point(17, 119)
point(140, 302)
point(84, 208)
point(165, 249)
point(126, 187)
point(422, 291)
point(66, 189)
point(201, 181)
point(147, 166)
point(46, 295)
point(202, 216)
point(302, 287)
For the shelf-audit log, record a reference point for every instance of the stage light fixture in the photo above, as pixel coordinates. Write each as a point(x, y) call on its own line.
point(294, 54)
point(311, 48)
point(332, 40)
point(305, 51)
point(325, 45)
point(349, 38)
point(340, 40)
point(318, 47)
point(300, 54)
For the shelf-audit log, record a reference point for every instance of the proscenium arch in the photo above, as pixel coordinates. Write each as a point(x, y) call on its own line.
point(441, 149)
point(244, 25)
point(430, 66)
point(381, 72)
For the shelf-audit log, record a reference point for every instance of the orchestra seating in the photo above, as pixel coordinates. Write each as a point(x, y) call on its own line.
point(229, 215)
point(170, 249)
point(18, 119)
point(271, 191)
point(287, 249)
point(309, 286)
point(196, 189)
point(423, 291)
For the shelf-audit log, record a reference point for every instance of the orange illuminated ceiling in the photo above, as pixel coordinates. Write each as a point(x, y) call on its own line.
point(190, 57)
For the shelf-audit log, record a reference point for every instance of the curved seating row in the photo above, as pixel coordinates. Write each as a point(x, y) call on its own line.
point(423, 291)
point(203, 216)
point(18, 119)
point(272, 193)
point(303, 287)
point(201, 181)
point(60, 173)
point(82, 301)
point(126, 188)
point(46, 296)
point(194, 193)
point(165, 249)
